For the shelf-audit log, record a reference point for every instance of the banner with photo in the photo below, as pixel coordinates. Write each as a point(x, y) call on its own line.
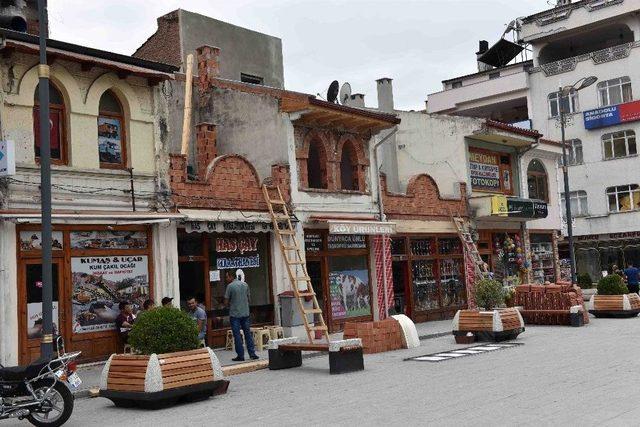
point(110, 139)
point(34, 319)
point(108, 239)
point(350, 296)
point(32, 240)
point(100, 283)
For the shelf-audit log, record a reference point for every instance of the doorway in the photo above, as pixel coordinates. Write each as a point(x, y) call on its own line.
point(192, 284)
point(314, 269)
point(401, 299)
point(31, 307)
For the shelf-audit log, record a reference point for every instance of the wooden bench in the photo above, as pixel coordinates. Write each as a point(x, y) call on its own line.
point(496, 325)
point(344, 356)
point(157, 381)
point(618, 306)
point(551, 304)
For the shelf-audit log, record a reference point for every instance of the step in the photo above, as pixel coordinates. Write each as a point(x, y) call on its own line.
point(313, 310)
point(295, 262)
point(276, 202)
point(290, 248)
point(306, 294)
point(287, 232)
point(319, 328)
point(303, 279)
point(282, 217)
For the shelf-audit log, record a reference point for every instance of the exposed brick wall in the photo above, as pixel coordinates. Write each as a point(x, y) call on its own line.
point(205, 147)
point(208, 58)
point(423, 201)
point(164, 45)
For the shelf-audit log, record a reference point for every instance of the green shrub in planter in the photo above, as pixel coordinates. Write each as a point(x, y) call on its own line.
point(163, 330)
point(585, 281)
point(612, 285)
point(489, 294)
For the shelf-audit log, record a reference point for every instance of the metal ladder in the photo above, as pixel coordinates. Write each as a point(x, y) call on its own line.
point(294, 259)
point(470, 248)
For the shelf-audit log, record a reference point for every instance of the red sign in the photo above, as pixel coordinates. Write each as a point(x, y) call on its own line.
point(239, 244)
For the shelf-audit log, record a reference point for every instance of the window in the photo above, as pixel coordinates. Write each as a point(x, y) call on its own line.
point(349, 168)
point(456, 85)
point(111, 138)
point(619, 144)
point(317, 165)
point(615, 91)
point(623, 198)
point(569, 103)
point(56, 124)
point(537, 181)
point(248, 78)
point(578, 202)
point(574, 153)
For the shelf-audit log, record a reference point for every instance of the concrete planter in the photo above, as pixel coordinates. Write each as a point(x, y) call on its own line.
point(588, 293)
point(495, 325)
point(160, 380)
point(618, 306)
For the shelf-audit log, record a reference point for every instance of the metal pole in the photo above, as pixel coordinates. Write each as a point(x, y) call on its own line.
point(46, 347)
point(133, 193)
point(567, 197)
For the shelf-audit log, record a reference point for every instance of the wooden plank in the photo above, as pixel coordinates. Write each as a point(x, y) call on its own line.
point(127, 374)
point(186, 370)
point(243, 368)
point(183, 353)
point(191, 375)
point(305, 347)
point(169, 360)
point(187, 382)
point(172, 366)
point(129, 362)
point(132, 381)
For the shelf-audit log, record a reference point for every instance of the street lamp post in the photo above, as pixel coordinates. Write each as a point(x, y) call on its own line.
point(562, 92)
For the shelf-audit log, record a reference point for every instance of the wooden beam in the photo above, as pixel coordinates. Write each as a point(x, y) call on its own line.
point(186, 117)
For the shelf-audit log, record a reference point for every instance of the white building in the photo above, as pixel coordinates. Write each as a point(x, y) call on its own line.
point(571, 41)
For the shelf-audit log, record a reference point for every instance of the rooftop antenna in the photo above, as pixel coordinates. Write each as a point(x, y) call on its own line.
point(345, 93)
point(332, 92)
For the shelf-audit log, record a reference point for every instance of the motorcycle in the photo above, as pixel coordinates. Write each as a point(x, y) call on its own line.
point(40, 392)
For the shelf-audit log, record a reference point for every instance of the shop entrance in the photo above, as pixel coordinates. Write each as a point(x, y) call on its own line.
point(192, 284)
point(31, 307)
point(401, 289)
point(314, 268)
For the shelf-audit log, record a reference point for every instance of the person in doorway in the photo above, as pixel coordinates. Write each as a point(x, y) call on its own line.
point(198, 314)
point(167, 302)
point(148, 305)
point(236, 297)
point(633, 278)
point(124, 321)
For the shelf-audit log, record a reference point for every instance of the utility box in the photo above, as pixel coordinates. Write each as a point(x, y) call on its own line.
point(290, 315)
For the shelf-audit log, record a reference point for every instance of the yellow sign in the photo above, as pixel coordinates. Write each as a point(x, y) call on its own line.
point(499, 206)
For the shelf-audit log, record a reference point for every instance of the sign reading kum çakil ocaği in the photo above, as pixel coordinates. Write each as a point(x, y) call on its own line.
point(7, 158)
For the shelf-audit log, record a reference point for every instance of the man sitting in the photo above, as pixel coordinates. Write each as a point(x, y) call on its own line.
point(124, 321)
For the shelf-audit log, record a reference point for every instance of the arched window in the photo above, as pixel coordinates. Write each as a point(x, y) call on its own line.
point(317, 165)
point(349, 168)
point(56, 125)
point(537, 181)
point(111, 133)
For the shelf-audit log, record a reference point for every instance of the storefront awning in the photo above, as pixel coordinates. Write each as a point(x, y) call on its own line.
point(91, 217)
point(508, 208)
point(219, 221)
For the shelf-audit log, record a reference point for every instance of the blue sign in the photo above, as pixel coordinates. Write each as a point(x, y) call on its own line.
point(612, 115)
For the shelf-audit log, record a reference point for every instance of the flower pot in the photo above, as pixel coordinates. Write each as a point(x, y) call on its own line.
point(615, 306)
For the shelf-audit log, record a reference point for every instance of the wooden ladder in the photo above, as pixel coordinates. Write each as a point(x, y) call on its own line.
point(470, 248)
point(295, 261)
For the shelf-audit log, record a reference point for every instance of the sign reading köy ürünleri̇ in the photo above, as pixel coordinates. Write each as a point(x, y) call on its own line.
point(369, 228)
point(7, 158)
point(484, 170)
point(612, 115)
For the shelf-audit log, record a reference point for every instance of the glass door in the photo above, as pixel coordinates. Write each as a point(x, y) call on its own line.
point(31, 313)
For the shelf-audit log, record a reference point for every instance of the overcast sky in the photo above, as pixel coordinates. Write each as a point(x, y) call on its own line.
point(417, 43)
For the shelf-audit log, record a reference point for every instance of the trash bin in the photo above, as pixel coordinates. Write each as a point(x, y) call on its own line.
point(290, 313)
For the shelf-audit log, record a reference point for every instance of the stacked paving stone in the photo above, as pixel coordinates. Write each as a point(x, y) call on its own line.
point(377, 337)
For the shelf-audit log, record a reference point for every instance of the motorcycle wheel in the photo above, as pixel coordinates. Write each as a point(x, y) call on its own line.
point(60, 402)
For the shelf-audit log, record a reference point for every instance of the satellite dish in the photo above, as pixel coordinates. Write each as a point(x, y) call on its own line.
point(345, 93)
point(332, 92)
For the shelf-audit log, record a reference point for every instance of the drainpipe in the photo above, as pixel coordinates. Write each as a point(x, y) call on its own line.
point(383, 217)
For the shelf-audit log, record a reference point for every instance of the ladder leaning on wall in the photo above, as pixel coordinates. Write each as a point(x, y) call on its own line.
point(470, 248)
point(294, 260)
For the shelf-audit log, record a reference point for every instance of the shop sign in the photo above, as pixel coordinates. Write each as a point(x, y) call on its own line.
point(313, 242)
point(346, 241)
point(238, 262)
point(349, 293)
point(361, 227)
point(625, 235)
point(108, 239)
point(612, 115)
point(484, 170)
point(7, 158)
point(228, 227)
point(100, 283)
point(32, 240)
point(34, 318)
point(240, 244)
point(518, 208)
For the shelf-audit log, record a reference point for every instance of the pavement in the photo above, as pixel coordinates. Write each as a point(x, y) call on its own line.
point(560, 376)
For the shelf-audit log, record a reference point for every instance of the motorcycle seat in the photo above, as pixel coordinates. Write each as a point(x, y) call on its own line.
point(20, 373)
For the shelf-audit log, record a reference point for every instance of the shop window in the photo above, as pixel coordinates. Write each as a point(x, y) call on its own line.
point(423, 247)
point(574, 153)
point(568, 103)
point(349, 168)
point(349, 287)
point(619, 144)
point(189, 244)
point(317, 165)
point(578, 201)
point(57, 117)
point(111, 132)
point(615, 91)
point(623, 198)
point(398, 246)
point(425, 286)
point(451, 283)
point(248, 78)
point(537, 181)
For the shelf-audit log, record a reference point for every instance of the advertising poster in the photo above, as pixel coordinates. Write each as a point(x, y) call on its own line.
point(108, 239)
point(100, 283)
point(350, 295)
point(34, 319)
point(110, 140)
point(484, 171)
point(32, 240)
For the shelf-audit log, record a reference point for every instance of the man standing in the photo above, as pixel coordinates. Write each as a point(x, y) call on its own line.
point(633, 278)
point(124, 321)
point(236, 297)
point(199, 316)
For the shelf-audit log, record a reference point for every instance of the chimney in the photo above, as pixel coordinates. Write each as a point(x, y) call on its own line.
point(385, 95)
point(13, 15)
point(208, 66)
point(482, 48)
point(356, 100)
